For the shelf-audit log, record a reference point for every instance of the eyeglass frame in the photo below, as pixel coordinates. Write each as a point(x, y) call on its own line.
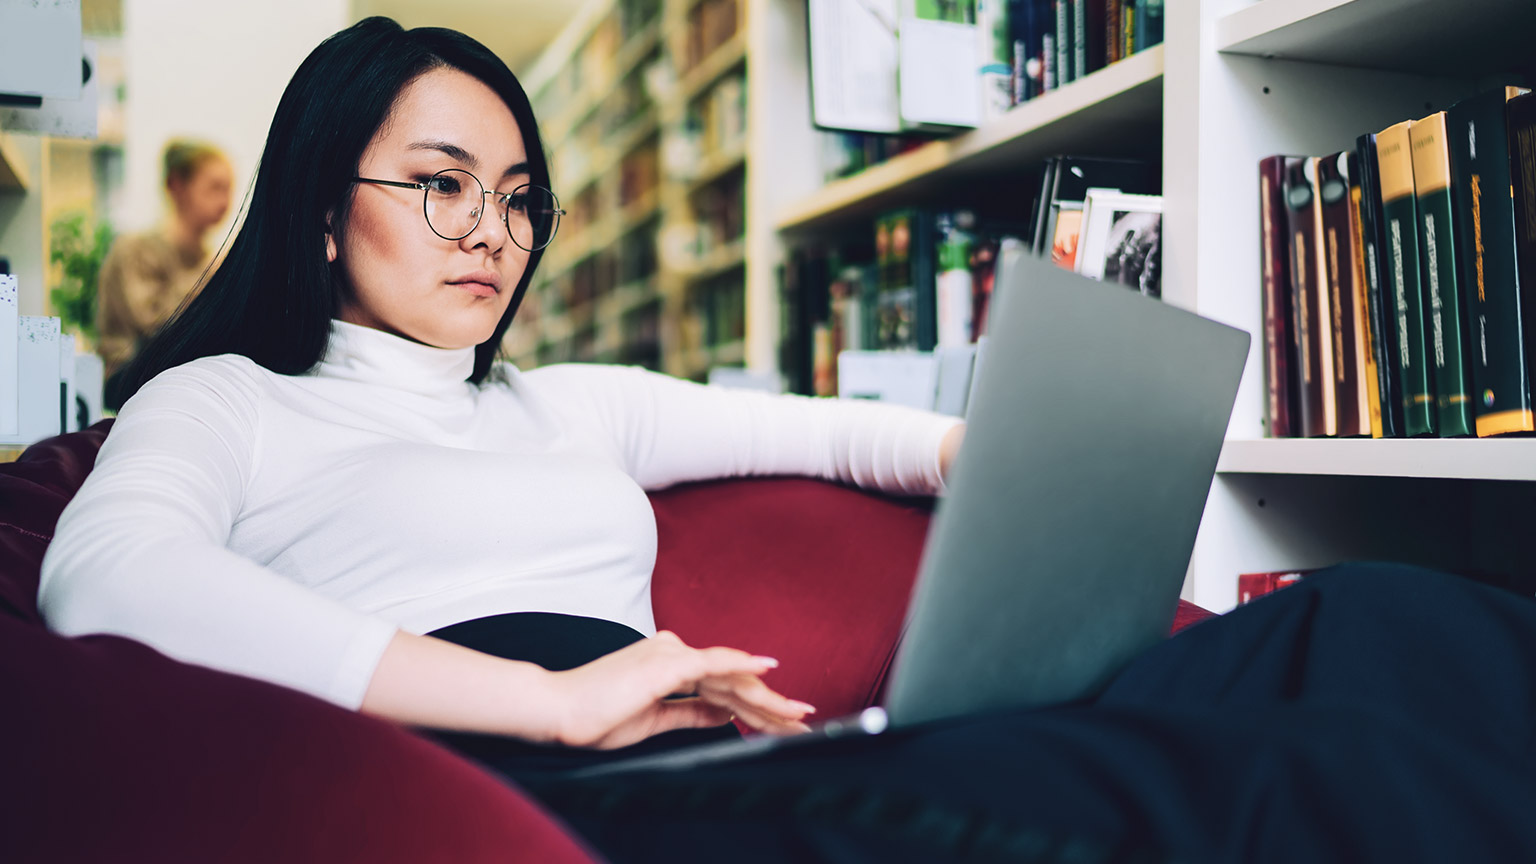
point(425, 189)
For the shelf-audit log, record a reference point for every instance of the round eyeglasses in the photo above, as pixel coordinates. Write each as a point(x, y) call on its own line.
point(453, 201)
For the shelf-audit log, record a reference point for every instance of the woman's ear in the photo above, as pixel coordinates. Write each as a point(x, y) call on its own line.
point(330, 241)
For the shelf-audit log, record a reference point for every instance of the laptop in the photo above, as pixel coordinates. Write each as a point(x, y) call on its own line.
point(1058, 553)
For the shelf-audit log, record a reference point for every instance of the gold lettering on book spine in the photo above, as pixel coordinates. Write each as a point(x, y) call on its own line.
point(1337, 305)
point(1435, 318)
point(1477, 233)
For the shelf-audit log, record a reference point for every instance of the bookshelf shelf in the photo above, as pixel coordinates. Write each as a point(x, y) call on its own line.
point(1117, 109)
point(1464, 38)
point(628, 58)
point(13, 172)
point(1444, 458)
point(728, 56)
point(721, 260)
point(717, 165)
point(604, 233)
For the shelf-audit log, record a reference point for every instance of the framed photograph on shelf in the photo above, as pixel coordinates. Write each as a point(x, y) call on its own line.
point(1122, 240)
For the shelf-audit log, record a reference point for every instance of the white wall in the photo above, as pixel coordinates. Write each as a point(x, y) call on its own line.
point(210, 69)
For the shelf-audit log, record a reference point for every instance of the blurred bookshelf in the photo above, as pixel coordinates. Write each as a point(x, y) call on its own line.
point(643, 108)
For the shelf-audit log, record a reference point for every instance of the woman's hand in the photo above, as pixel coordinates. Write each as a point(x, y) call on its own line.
point(949, 448)
point(621, 698)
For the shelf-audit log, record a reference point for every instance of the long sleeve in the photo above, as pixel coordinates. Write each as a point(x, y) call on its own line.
point(670, 431)
point(141, 549)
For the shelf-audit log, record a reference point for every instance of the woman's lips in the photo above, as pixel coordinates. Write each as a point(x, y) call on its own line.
point(479, 289)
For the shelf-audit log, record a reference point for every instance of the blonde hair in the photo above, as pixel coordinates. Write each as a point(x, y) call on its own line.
point(183, 156)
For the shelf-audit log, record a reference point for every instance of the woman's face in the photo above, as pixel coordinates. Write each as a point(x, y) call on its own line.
point(400, 276)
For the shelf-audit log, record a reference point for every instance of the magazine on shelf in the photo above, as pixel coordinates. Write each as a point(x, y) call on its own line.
point(1121, 240)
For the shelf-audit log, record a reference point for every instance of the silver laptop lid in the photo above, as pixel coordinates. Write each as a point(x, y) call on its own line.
point(1058, 554)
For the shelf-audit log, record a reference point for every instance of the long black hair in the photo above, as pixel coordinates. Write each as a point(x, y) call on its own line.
point(273, 297)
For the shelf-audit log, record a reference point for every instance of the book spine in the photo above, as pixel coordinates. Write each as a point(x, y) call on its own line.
point(1080, 38)
point(1338, 250)
point(1139, 32)
point(1520, 115)
point(1364, 334)
point(1113, 42)
point(1300, 231)
point(1447, 344)
point(1128, 28)
point(1399, 211)
point(1322, 305)
point(1063, 42)
point(1278, 346)
point(1382, 329)
point(1485, 249)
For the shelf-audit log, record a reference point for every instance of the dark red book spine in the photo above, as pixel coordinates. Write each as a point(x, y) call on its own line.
point(1309, 311)
point(1337, 247)
point(1279, 342)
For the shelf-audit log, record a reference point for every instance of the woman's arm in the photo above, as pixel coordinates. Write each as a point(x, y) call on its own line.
point(669, 431)
point(141, 552)
point(611, 702)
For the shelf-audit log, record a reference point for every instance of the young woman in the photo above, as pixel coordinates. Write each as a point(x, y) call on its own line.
point(323, 478)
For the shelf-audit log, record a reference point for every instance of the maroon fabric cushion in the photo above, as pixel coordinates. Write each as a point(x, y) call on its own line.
point(113, 752)
point(814, 574)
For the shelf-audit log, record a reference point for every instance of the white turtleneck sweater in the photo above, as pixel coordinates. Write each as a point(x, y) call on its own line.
point(284, 527)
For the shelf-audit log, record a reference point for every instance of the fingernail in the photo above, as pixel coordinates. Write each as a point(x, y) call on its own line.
point(767, 661)
point(809, 709)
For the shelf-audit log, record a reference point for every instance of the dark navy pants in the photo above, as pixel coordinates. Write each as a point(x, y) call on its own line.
point(1369, 713)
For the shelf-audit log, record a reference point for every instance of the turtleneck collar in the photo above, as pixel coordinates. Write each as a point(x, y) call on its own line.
point(358, 353)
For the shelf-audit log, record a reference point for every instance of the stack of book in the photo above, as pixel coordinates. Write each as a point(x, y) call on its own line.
point(1397, 278)
point(1056, 42)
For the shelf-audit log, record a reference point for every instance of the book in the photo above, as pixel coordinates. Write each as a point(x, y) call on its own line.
point(10, 380)
point(1399, 211)
point(905, 316)
point(1063, 42)
point(1148, 27)
point(1067, 179)
point(1378, 300)
point(1446, 342)
point(1346, 314)
point(1366, 325)
point(1499, 331)
point(1319, 411)
point(1029, 21)
point(1121, 240)
point(1279, 351)
point(1087, 37)
point(1252, 586)
point(1114, 45)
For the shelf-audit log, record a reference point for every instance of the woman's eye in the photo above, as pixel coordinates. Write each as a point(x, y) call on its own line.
point(443, 185)
point(517, 201)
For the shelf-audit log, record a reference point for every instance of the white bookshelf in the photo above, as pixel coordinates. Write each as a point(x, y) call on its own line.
point(1115, 109)
point(1404, 35)
point(1446, 459)
point(1235, 81)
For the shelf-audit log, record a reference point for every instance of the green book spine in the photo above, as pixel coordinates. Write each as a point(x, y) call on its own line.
point(1394, 161)
point(1447, 341)
point(1490, 284)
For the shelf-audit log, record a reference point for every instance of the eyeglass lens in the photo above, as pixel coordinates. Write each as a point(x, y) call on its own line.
point(455, 199)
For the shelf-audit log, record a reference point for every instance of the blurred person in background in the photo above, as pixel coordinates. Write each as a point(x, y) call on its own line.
point(147, 276)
